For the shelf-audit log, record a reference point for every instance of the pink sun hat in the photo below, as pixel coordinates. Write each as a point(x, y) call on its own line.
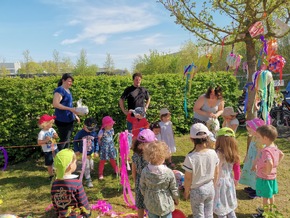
point(107, 121)
point(146, 136)
point(255, 123)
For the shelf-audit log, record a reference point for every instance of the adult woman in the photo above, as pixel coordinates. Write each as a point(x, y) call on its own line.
point(208, 105)
point(64, 111)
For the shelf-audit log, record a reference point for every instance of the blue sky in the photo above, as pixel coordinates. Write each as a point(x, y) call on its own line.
point(122, 28)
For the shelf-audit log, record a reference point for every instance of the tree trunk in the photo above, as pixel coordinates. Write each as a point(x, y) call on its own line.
point(252, 63)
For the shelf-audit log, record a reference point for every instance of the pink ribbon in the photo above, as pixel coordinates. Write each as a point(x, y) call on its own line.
point(124, 152)
point(84, 158)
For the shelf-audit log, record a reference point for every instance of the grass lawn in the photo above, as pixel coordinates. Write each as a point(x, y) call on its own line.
point(25, 189)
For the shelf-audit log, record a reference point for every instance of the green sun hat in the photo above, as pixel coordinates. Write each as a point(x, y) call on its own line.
point(61, 162)
point(226, 131)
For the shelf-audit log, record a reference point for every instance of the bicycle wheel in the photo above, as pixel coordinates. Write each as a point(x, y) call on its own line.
point(284, 129)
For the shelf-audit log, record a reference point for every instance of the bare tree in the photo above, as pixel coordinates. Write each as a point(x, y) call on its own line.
point(242, 14)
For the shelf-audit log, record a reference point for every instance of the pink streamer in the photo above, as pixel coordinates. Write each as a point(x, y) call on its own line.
point(124, 152)
point(84, 158)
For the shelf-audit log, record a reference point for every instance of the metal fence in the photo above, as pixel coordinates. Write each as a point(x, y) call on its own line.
point(285, 80)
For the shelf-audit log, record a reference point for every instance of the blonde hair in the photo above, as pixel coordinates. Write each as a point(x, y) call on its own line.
point(156, 152)
point(44, 124)
point(228, 146)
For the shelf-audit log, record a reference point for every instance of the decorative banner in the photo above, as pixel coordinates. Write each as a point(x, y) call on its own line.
point(84, 157)
point(187, 70)
point(185, 95)
point(233, 61)
point(272, 48)
point(256, 29)
point(5, 155)
point(276, 64)
point(124, 154)
point(263, 81)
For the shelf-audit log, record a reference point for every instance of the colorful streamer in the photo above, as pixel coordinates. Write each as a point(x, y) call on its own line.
point(5, 155)
point(185, 95)
point(84, 157)
point(124, 153)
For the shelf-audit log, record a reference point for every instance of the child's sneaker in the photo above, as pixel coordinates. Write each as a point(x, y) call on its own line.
point(248, 189)
point(253, 195)
point(257, 215)
point(101, 177)
point(260, 210)
point(89, 183)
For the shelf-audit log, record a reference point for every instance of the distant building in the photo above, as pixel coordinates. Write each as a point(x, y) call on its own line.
point(104, 71)
point(11, 67)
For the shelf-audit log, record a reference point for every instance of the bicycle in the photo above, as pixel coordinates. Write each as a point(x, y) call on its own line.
point(280, 115)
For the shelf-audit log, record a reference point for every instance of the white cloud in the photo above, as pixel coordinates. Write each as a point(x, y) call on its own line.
point(57, 33)
point(74, 22)
point(100, 22)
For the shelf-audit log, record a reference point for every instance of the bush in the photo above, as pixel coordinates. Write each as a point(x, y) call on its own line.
point(22, 101)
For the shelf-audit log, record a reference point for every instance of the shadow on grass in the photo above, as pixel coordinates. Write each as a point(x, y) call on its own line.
point(30, 165)
point(241, 195)
point(283, 144)
point(33, 182)
point(243, 215)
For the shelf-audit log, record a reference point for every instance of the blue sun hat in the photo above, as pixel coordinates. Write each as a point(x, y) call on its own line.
point(140, 111)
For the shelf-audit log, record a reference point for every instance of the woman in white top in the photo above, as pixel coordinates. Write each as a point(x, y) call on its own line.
point(208, 105)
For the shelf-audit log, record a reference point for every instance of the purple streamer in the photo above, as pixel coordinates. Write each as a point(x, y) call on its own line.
point(265, 43)
point(5, 158)
point(188, 69)
point(255, 79)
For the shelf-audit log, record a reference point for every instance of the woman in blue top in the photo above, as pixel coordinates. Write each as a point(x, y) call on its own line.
point(64, 111)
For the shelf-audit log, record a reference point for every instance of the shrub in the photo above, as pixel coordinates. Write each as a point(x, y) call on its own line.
point(22, 101)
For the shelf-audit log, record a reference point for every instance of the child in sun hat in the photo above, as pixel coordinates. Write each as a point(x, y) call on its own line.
point(248, 176)
point(46, 138)
point(166, 133)
point(138, 163)
point(88, 132)
point(230, 120)
point(225, 201)
point(200, 167)
point(107, 146)
point(67, 192)
point(138, 121)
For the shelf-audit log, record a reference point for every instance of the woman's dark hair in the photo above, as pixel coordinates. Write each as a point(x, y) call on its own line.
point(65, 77)
point(217, 91)
point(137, 74)
point(154, 125)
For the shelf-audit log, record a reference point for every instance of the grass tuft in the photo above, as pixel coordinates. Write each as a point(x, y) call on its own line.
point(25, 187)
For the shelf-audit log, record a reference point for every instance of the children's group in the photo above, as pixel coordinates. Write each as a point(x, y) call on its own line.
point(211, 170)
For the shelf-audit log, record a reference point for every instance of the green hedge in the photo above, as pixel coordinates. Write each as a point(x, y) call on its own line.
point(24, 100)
